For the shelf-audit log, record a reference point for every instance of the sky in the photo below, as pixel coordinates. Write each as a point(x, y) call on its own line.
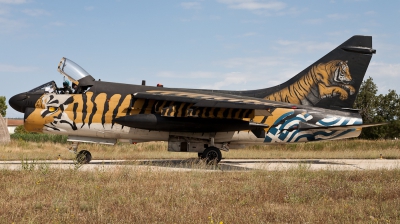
point(213, 44)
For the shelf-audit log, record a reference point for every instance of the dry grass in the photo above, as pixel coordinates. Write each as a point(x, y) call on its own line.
point(124, 196)
point(347, 149)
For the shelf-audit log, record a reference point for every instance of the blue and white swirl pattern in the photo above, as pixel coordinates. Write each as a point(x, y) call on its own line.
point(287, 132)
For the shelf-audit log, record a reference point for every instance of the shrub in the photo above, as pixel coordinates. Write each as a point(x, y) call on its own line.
point(37, 137)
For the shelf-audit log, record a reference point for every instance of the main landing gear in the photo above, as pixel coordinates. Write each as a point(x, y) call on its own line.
point(212, 154)
point(83, 156)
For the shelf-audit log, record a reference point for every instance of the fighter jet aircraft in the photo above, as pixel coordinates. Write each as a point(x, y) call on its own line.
point(314, 105)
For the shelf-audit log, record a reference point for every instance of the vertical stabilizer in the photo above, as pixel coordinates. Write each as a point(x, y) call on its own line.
point(331, 82)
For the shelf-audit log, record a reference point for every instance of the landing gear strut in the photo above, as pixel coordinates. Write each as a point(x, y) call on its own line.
point(83, 156)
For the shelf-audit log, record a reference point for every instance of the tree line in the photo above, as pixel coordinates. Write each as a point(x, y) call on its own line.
point(372, 107)
point(376, 109)
point(3, 106)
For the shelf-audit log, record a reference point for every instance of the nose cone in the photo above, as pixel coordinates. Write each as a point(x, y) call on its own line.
point(22, 101)
point(17, 102)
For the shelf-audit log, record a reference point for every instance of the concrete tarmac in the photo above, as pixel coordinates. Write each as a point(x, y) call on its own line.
point(196, 165)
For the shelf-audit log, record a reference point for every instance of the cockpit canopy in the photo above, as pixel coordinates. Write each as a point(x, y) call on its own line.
point(71, 70)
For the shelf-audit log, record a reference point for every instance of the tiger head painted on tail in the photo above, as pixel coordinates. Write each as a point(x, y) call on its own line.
point(342, 73)
point(333, 73)
point(323, 80)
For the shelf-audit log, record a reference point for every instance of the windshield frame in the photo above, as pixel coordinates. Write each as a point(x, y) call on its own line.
point(51, 84)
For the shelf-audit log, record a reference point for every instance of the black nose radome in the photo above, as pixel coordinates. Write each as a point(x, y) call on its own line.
point(17, 102)
point(22, 101)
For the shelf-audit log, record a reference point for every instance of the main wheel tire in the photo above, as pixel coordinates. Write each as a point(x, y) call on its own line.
point(83, 157)
point(212, 155)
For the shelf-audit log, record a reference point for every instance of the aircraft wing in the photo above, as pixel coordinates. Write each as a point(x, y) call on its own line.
point(194, 111)
point(209, 104)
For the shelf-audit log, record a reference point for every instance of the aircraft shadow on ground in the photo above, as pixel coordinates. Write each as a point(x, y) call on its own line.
point(195, 163)
point(192, 163)
point(306, 161)
point(223, 165)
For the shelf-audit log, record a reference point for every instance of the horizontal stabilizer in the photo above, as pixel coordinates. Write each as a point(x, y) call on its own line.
point(309, 127)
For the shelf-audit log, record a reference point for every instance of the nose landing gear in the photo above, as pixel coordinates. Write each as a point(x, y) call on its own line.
point(83, 156)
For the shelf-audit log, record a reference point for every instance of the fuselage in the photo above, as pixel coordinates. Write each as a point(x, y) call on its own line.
point(93, 114)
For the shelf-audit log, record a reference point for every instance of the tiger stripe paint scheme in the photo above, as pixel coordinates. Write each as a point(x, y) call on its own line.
point(87, 109)
point(88, 114)
point(311, 106)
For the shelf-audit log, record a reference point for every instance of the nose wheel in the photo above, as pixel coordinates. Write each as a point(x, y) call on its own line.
point(83, 156)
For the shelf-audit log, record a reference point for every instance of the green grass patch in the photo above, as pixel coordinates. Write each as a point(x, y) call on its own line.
point(38, 137)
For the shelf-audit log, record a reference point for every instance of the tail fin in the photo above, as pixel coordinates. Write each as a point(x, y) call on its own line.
point(331, 82)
